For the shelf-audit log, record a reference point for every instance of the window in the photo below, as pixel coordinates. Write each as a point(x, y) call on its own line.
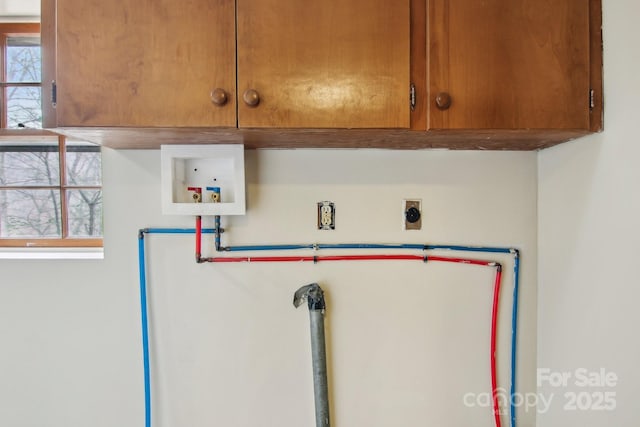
point(21, 76)
point(50, 186)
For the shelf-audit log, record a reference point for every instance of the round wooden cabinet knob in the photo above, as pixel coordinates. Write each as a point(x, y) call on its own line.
point(251, 97)
point(219, 97)
point(443, 100)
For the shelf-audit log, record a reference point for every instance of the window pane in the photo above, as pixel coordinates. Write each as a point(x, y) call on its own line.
point(30, 213)
point(32, 163)
point(84, 166)
point(85, 213)
point(23, 60)
point(24, 107)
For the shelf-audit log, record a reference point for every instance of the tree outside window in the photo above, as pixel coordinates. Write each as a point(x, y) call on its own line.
point(50, 187)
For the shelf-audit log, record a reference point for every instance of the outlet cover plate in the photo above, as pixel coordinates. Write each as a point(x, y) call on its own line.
point(326, 216)
point(411, 204)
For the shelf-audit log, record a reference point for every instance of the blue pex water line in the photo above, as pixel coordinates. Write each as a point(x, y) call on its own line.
point(145, 330)
point(176, 231)
point(266, 248)
point(485, 249)
point(369, 246)
point(318, 246)
point(514, 334)
point(514, 313)
point(469, 248)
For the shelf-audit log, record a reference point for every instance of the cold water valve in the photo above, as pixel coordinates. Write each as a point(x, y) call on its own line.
point(215, 194)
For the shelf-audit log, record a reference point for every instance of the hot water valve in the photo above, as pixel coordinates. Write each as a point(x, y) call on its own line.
point(196, 194)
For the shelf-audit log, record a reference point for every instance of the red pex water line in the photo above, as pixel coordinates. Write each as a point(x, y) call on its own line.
point(462, 260)
point(198, 239)
point(315, 259)
point(496, 292)
point(494, 333)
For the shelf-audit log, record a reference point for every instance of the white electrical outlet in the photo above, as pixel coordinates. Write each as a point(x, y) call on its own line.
point(326, 216)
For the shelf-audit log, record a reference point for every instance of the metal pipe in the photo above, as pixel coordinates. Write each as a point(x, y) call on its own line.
point(319, 360)
point(217, 231)
point(315, 298)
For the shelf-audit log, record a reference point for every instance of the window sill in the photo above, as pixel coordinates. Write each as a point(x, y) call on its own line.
point(51, 253)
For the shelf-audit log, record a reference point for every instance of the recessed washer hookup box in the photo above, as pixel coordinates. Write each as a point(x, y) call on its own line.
point(203, 179)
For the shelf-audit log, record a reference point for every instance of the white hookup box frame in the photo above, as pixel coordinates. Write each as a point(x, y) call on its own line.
point(202, 166)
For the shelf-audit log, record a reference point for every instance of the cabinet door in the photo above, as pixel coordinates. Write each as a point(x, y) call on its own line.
point(323, 64)
point(508, 64)
point(144, 62)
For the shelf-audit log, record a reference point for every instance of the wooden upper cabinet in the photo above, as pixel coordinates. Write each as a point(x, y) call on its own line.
point(150, 63)
point(508, 64)
point(140, 62)
point(486, 74)
point(323, 64)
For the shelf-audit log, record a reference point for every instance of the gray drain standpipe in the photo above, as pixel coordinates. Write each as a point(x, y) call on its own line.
point(315, 298)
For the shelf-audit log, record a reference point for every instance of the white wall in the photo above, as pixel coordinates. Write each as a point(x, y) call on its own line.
point(19, 10)
point(406, 340)
point(589, 243)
